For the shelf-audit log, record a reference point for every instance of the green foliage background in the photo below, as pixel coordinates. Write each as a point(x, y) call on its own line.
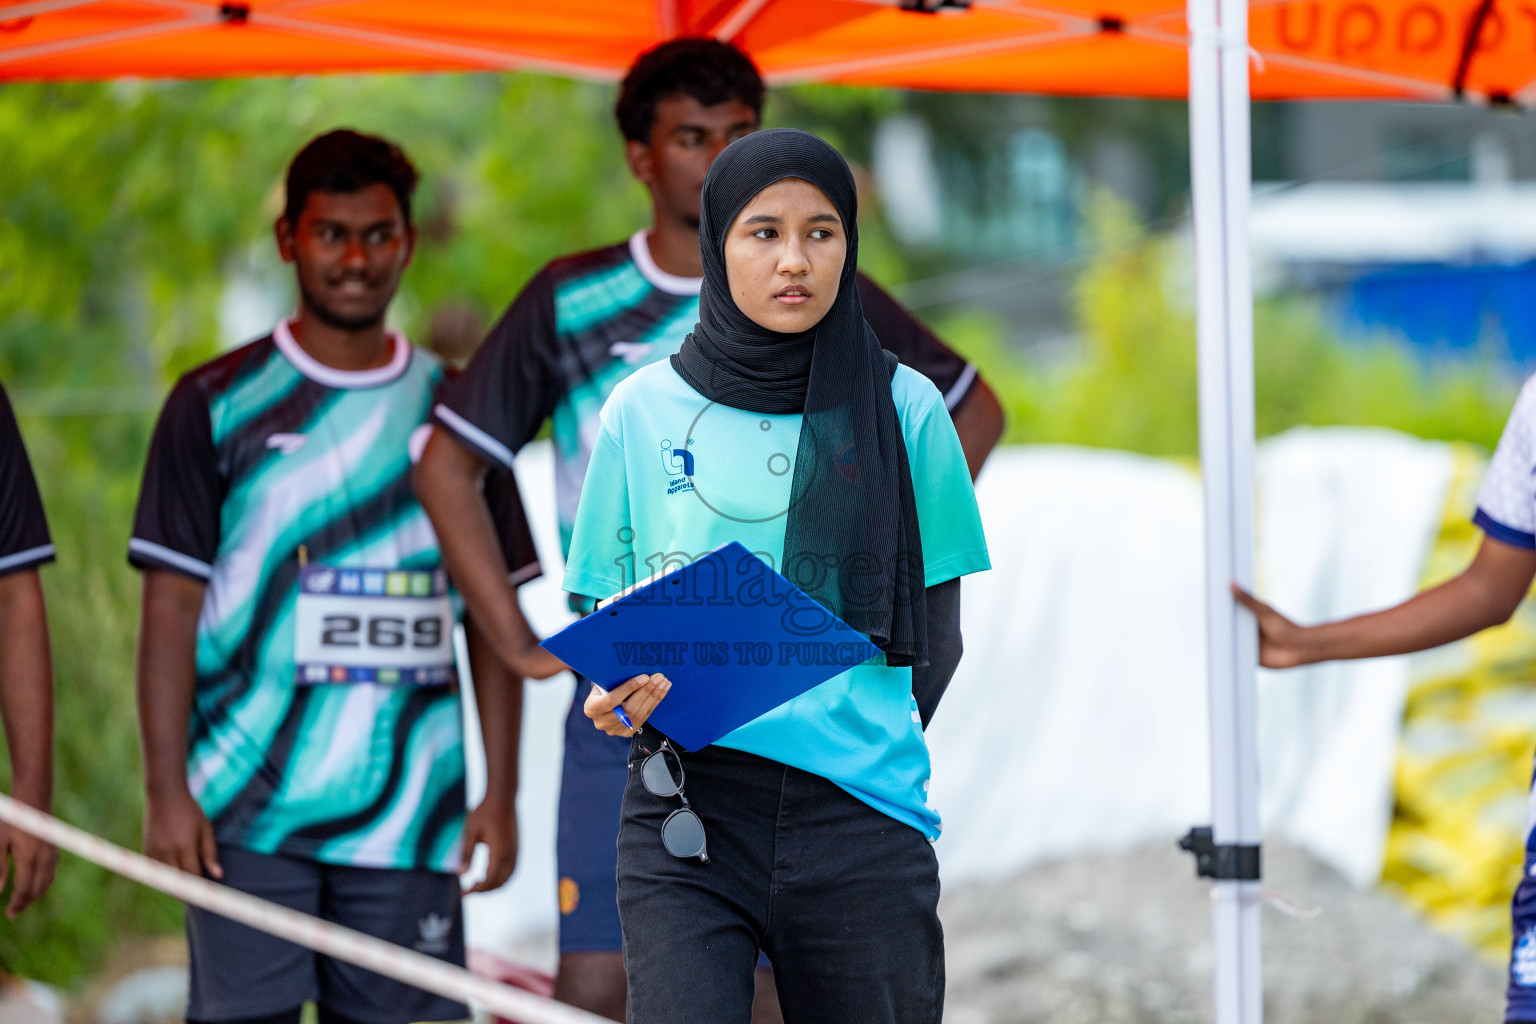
point(125, 208)
point(1132, 384)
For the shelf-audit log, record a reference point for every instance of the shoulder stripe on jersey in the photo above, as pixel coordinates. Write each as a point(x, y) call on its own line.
point(581, 302)
point(477, 438)
point(233, 369)
point(962, 387)
point(517, 577)
point(171, 559)
point(569, 268)
point(266, 376)
point(1507, 534)
point(42, 553)
point(244, 362)
point(658, 318)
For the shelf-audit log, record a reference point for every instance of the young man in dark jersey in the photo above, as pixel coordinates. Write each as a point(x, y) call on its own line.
point(581, 325)
point(297, 687)
point(26, 666)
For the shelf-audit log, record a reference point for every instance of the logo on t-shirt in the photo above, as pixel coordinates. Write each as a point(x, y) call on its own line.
point(631, 352)
point(679, 466)
point(677, 461)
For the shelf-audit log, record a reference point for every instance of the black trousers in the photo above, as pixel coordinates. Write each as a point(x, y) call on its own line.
point(842, 898)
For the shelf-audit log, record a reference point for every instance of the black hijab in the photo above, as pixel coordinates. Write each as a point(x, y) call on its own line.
point(851, 540)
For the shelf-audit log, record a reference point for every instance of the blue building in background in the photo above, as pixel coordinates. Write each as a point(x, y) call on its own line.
point(1446, 266)
point(1476, 309)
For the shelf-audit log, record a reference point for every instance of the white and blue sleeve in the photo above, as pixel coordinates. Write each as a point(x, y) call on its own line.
point(1506, 503)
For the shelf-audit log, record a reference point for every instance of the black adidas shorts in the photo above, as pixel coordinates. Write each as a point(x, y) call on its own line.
point(238, 972)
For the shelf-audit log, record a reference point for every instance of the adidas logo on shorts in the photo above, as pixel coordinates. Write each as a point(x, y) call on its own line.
point(434, 930)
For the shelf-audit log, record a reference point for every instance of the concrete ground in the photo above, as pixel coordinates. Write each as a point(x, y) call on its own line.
point(1126, 939)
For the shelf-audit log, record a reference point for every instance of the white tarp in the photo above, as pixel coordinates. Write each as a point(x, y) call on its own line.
point(1346, 522)
point(1077, 720)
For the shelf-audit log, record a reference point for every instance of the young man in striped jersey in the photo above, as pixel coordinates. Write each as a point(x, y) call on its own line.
point(298, 695)
point(26, 666)
point(580, 326)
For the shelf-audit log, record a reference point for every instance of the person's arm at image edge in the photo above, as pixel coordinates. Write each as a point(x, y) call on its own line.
point(1485, 594)
point(26, 706)
point(979, 421)
point(176, 830)
point(447, 483)
point(499, 703)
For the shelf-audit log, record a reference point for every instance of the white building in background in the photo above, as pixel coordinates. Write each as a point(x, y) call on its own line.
point(1386, 223)
point(1417, 221)
point(908, 180)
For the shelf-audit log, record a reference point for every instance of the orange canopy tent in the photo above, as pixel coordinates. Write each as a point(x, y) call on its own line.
point(1216, 52)
point(1407, 49)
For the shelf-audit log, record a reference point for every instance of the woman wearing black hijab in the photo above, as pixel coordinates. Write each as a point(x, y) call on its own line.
point(781, 424)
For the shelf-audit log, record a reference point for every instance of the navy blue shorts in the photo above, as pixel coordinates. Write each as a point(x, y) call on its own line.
point(587, 844)
point(1522, 958)
point(239, 972)
point(1521, 1005)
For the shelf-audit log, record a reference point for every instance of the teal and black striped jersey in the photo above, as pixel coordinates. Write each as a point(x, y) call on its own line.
point(586, 322)
point(326, 719)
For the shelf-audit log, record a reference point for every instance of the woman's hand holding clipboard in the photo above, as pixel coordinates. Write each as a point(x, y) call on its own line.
point(622, 710)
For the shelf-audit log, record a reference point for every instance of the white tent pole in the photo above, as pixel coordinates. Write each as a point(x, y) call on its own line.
point(1221, 179)
point(1237, 902)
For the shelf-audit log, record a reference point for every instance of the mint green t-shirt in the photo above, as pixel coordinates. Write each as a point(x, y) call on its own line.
point(674, 476)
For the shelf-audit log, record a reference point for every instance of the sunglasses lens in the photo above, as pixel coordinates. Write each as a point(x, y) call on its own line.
point(683, 834)
point(658, 777)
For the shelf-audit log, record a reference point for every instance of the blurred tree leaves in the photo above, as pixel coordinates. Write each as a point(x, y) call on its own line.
point(129, 202)
point(1132, 384)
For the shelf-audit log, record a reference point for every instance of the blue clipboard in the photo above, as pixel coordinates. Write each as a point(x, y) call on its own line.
point(735, 638)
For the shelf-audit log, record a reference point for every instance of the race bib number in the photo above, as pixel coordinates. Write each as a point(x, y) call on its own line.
point(391, 626)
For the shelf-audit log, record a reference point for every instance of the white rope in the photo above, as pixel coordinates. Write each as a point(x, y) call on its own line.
point(332, 940)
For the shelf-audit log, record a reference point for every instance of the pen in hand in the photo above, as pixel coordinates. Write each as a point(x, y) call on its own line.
point(618, 709)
